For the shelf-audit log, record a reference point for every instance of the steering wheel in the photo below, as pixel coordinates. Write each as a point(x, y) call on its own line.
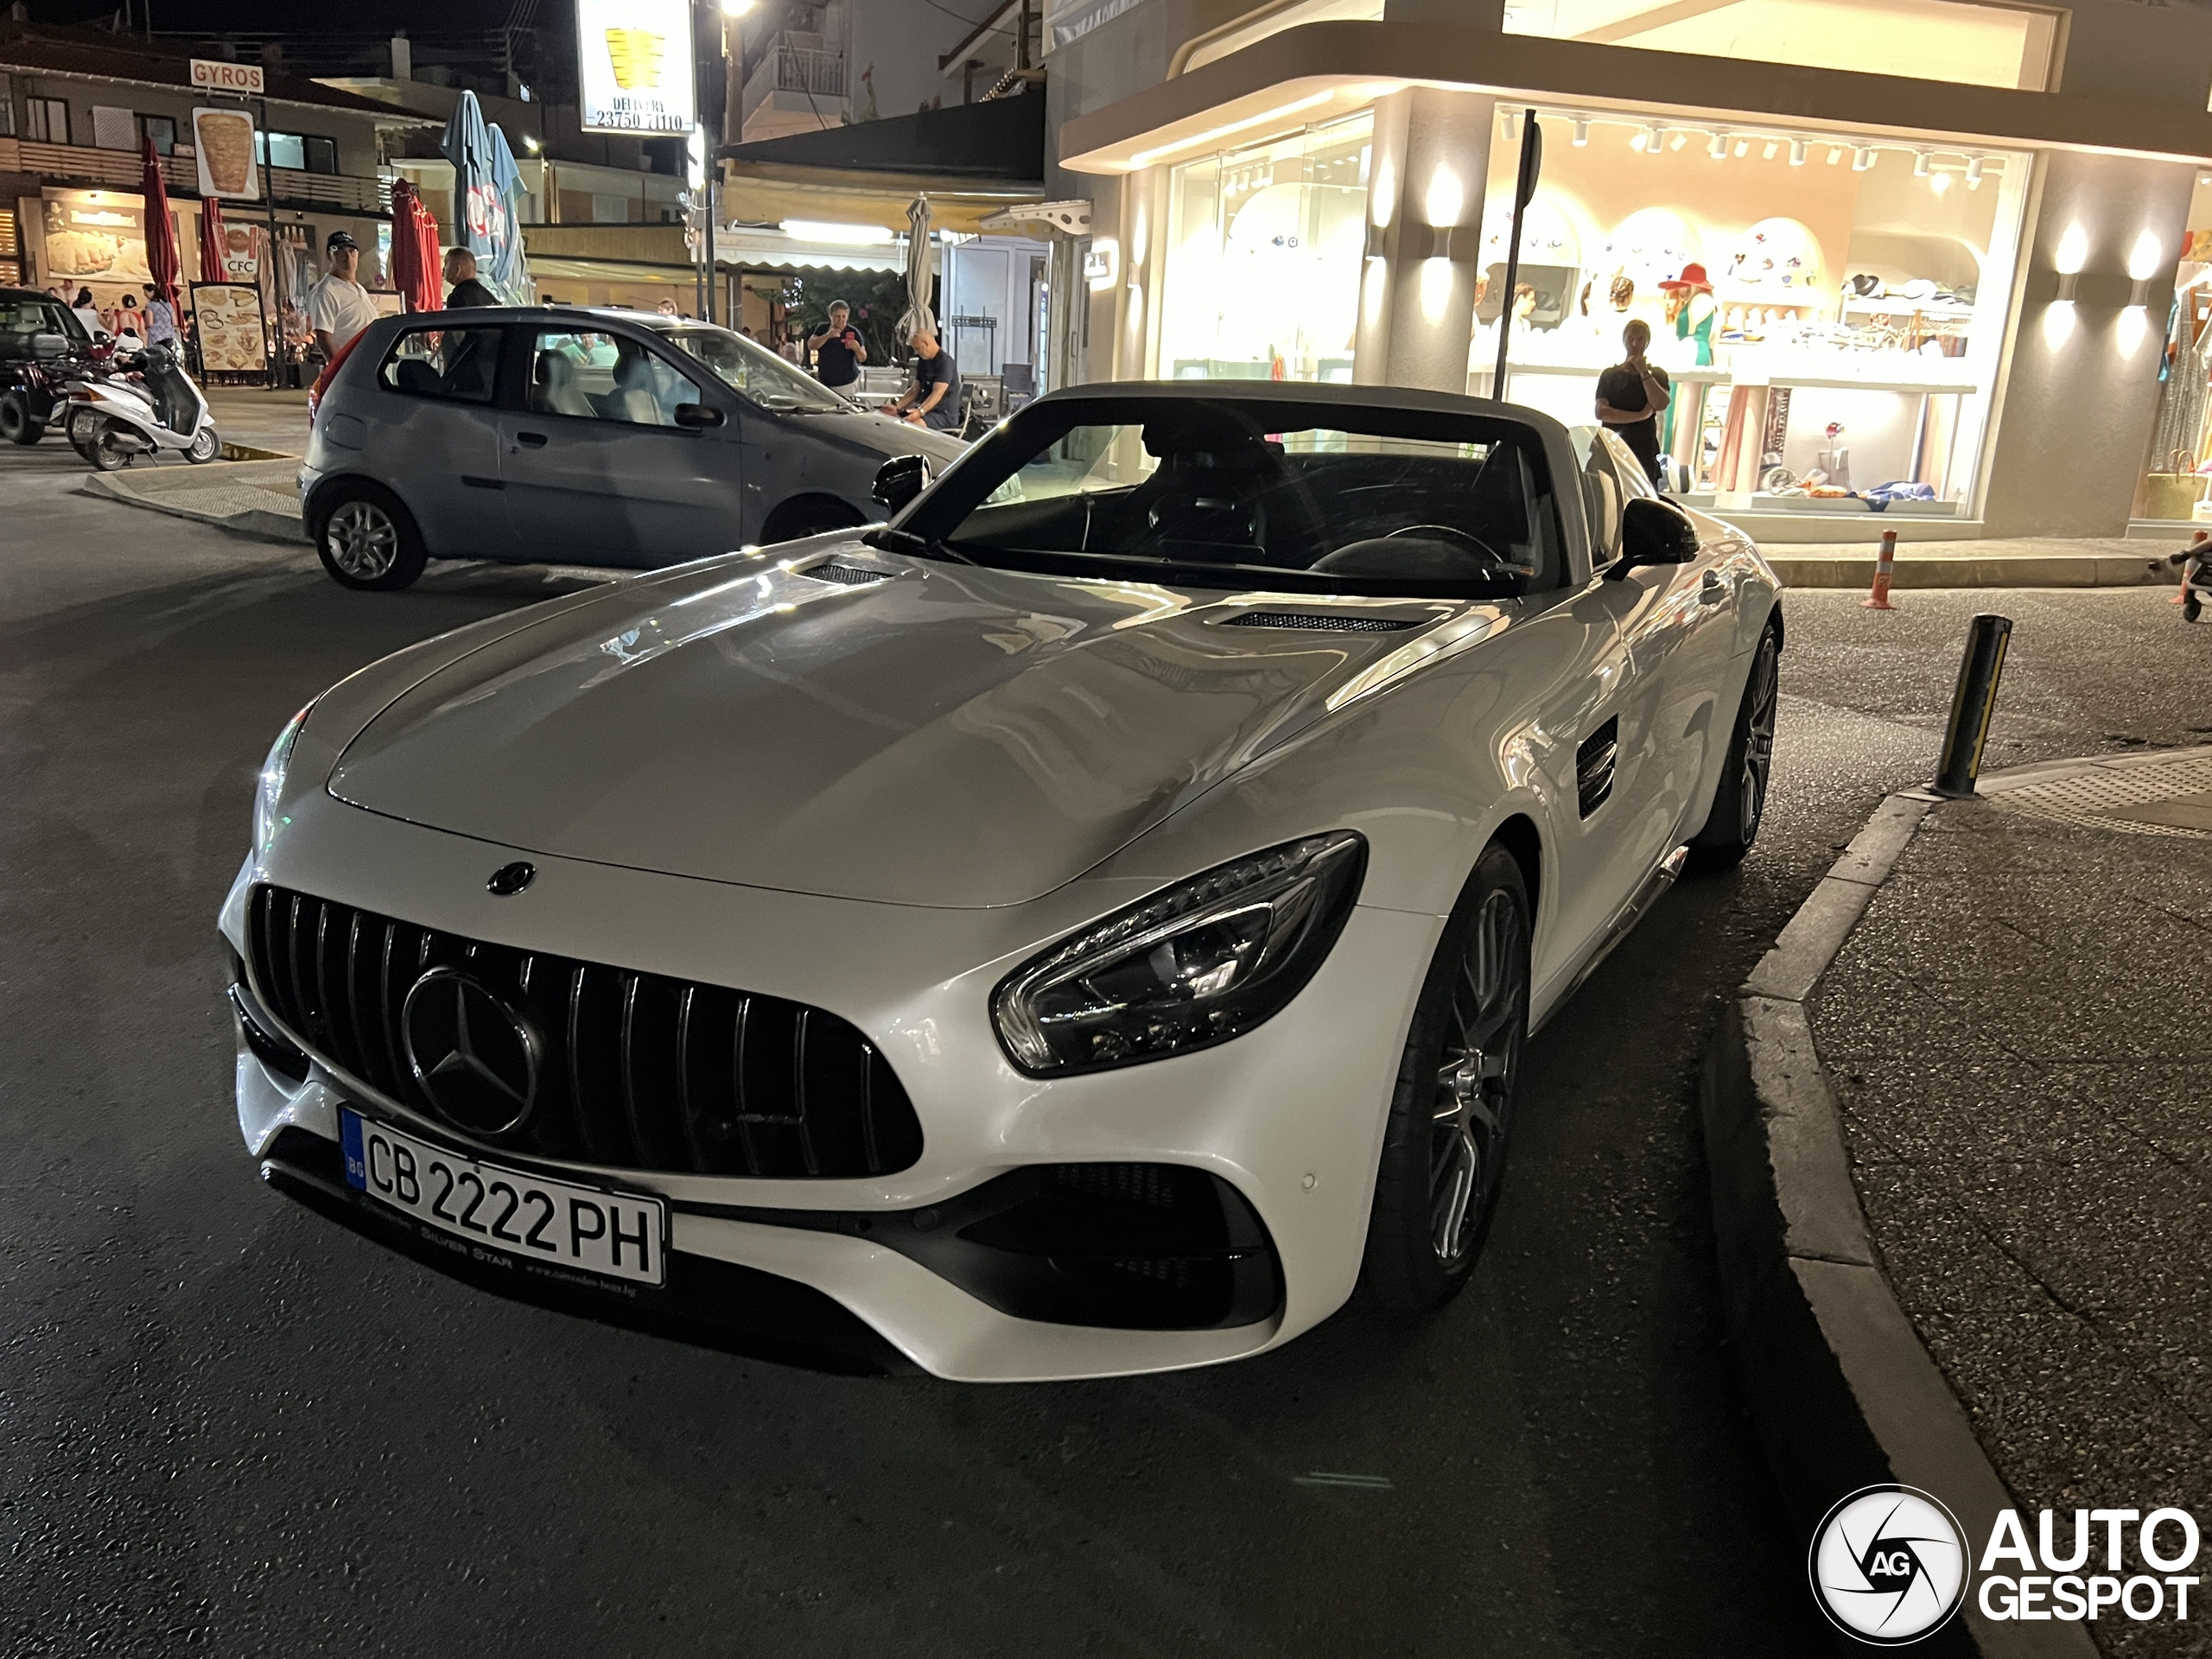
point(1459, 537)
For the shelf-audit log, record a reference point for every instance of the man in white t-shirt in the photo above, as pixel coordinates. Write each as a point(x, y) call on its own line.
point(338, 307)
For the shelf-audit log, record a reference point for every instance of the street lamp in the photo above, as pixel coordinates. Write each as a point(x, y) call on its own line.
point(736, 8)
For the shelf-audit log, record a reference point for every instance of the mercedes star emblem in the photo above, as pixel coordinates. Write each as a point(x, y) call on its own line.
point(511, 878)
point(473, 1054)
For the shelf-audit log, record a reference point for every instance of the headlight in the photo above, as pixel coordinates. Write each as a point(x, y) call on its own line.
point(1197, 964)
point(265, 795)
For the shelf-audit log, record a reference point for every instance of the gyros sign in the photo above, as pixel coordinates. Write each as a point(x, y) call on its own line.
point(218, 75)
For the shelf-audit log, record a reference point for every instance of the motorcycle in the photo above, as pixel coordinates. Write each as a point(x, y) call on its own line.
point(156, 408)
point(2195, 562)
point(34, 391)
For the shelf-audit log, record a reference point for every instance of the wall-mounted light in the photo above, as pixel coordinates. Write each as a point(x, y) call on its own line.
point(1581, 131)
point(1445, 197)
point(2073, 251)
point(1974, 172)
point(1796, 152)
point(1864, 159)
point(1718, 147)
point(2143, 258)
point(2132, 328)
point(2059, 321)
point(1101, 263)
point(1920, 161)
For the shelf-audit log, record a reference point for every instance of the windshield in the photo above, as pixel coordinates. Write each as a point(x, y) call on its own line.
point(757, 373)
point(1230, 493)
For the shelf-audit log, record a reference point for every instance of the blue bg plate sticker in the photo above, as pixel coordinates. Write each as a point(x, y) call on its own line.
point(505, 1212)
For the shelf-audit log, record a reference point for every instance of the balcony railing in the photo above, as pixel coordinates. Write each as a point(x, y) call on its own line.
point(81, 164)
point(794, 69)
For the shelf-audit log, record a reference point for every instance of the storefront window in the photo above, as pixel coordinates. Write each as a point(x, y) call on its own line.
point(1263, 259)
point(2179, 477)
point(1832, 314)
point(1975, 44)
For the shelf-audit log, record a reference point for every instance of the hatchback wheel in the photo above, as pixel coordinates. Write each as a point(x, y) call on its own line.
point(367, 540)
point(1444, 1151)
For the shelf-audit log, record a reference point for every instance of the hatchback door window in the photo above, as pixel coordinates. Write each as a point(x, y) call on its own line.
point(591, 376)
point(460, 364)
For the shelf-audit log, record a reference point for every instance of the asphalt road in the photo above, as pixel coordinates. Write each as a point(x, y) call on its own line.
point(232, 1428)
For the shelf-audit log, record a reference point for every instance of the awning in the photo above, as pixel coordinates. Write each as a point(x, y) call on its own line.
point(1072, 216)
point(761, 248)
point(1305, 75)
point(757, 193)
point(608, 270)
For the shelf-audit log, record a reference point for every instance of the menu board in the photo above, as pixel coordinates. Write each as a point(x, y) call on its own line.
point(94, 236)
point(232, 337)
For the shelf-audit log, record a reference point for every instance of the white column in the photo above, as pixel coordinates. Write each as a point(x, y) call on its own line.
point(1424, 213)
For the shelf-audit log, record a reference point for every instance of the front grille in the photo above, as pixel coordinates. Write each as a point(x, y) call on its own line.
point(1320, 621)
point(632, 1070)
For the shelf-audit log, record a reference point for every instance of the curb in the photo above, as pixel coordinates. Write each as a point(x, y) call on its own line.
point(2002, 570)
point(1840, 1387)
point(257, 522)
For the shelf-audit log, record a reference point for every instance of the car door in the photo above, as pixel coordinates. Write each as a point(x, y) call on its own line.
point(595, 466)
point(432, 437)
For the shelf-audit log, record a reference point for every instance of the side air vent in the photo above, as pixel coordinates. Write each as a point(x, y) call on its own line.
point(849, 575)
point(1321, 621)
point(1593, 766)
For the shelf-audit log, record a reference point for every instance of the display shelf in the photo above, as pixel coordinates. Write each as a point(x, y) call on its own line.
point(1707, 376)
point(1893, 307)
point(1848, 383)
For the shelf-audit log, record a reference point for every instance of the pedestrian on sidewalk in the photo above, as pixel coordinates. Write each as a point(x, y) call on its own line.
point(130, 331)
point(339, 308)
point(836, 349)
point(1632, 394)
point(89, 314)
point(461, 280)
point(161, 320)
point(934, 398)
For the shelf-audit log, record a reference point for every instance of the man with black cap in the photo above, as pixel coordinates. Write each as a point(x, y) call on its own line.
point(338, 307)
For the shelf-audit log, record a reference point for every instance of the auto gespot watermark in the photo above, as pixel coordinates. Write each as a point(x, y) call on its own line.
point(1890, 1565)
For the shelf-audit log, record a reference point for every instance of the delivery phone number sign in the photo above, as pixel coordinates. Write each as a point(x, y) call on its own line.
point(218, 76)
point(633, 62)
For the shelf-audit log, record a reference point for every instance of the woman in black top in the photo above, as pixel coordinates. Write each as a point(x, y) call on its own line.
point(1631, 395)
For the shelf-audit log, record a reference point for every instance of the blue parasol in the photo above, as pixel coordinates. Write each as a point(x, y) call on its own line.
point(486, 190)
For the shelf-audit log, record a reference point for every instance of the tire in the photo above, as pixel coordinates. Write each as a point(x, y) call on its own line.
point(17, 425)
point(809, 515)
point(206, 445)
point(1451, 1119)
point(106, 450)
point(2191, 607)
point(367, 539)
point(1739, 803)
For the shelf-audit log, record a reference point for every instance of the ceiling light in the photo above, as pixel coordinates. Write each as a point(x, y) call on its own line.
point(1581, 131)
point(1835, 154)
point(1657, 133)
point(1864, 159)
point(1743, 147)
point(1767, 153)
point(1719, 147)
point(1146, 157)
point(1643, 140)
point(1796, 152)
point(1974, 172)
point(1920, 164)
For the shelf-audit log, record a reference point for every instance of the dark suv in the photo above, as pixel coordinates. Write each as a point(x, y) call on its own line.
point(30, 381)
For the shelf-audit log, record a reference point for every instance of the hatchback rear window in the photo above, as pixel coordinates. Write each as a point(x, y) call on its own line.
point(460, 364)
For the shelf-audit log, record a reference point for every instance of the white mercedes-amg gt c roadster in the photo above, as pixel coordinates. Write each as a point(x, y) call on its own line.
point(1087, 925)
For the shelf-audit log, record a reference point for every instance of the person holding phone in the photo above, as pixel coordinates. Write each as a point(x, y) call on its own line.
point(836, 350)
point(1632, 394)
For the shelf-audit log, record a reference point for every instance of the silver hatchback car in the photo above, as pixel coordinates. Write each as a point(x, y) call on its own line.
point(584, 436)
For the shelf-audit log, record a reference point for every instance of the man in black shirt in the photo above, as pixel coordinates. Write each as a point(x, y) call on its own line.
point(460, 277)
point(934, 398)
point(836, 349)
point(1630, 396)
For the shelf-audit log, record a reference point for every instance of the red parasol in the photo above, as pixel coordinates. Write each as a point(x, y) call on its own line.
point(160, 233)
point(416, 251)
point(212, 245)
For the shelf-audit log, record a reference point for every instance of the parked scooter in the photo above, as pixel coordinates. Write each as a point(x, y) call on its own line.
point(34, 391)
point(156, 408)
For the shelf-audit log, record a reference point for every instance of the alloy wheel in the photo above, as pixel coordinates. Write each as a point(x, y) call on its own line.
point(1758, 741)
point(1473, 1102)
point(363, 541)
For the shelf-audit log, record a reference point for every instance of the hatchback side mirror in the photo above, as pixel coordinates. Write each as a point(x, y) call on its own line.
point(1655, 533)
point(698, 416)
point(46, 347)
point(899, 479)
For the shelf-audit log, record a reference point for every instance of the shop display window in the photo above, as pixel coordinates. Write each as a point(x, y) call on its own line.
point(2178, 483)
point(1831, 314)
point(1264, 257)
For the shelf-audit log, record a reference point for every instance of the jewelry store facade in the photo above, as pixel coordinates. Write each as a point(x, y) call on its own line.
point(1941, 301)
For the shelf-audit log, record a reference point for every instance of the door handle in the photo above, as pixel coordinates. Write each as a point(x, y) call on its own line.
point(535, 440)
point(1715, 585)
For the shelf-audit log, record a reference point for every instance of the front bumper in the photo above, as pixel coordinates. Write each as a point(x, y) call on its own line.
point(1288, 1117)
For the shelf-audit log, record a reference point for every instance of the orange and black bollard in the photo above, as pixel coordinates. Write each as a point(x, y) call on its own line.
point(1886, 564)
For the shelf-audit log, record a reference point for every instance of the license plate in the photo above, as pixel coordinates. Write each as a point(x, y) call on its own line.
point(505, 1213)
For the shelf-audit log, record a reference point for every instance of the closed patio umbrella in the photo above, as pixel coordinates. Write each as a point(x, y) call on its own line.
point(212, 244)
point(486, 184)
point(160, 233)
point(415, 252)
point(921, 270)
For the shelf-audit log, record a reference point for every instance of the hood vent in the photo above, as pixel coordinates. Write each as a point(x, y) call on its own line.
point(849, 575)
point(1321, 621)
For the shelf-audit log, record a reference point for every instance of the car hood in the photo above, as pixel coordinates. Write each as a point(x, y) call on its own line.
point(944, 735)
point(889, 437)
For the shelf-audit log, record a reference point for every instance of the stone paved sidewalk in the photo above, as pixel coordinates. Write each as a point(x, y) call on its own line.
point(2017, 1037)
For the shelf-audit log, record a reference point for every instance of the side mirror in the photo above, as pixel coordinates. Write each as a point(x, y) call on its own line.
point(899, 479)
point(698, 416)
point(1655, 533)
point(47, 348)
